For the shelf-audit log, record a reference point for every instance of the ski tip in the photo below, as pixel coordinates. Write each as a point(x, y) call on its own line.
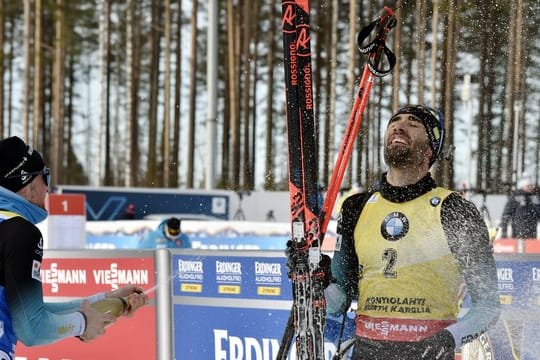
point(387, 12)
point(304, 5)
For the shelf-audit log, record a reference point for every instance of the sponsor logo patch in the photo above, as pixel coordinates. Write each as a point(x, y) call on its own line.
point(36, 267)
point(394, 226)
point(434, 201)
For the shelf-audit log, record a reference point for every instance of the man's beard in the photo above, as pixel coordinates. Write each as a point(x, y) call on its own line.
point(403, 156)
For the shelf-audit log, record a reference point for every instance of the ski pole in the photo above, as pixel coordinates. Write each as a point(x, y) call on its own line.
point(376, 49)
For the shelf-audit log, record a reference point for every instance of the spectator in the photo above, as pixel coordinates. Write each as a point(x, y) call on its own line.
point(167, 235)
point(129, 212)
point(406, 249)
point(522, 211)
point(270, 216)
point(24, 315)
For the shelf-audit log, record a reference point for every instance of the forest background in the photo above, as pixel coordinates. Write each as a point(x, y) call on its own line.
point(115, 92)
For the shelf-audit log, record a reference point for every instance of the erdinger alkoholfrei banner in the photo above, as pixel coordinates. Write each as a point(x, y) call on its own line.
point(514, 336)
point(516, 332)
point(236, 304)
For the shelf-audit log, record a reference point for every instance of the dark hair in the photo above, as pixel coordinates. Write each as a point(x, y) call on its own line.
point(173, 226)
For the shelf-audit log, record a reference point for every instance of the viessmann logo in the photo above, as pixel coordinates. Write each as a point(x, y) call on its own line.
point(114, 276)
point(385, 328)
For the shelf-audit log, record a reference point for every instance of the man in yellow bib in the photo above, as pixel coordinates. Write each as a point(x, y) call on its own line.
point(406, 250)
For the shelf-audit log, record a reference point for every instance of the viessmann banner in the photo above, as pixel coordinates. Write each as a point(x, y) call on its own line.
point(75, 274)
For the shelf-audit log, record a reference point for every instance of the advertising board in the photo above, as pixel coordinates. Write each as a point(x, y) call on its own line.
point(73, 274)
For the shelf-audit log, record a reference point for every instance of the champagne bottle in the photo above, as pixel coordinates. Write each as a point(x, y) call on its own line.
point(115, 306)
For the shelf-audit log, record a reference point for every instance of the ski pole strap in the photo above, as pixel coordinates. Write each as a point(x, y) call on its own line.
point(376, 48)
point(374, 63)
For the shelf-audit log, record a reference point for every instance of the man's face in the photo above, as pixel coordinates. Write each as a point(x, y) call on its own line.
point(406, 142)
point(36, 191)
point(172, 234)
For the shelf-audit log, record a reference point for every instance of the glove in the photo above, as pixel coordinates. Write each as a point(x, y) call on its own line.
point(295, 256)
point(326, 269)
point(440, 346)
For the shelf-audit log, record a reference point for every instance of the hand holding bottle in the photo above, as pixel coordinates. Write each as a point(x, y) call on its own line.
point(124, 291)
point(96, 321)
point(136, 300)
point(123, 301)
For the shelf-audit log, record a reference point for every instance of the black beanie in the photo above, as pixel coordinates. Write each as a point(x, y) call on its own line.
point(16, 160)
point(433, 122)
point(173, 226)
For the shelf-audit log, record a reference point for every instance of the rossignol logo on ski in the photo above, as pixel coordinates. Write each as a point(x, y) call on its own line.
point(308, 97)
point(303, 40)
point(293, 65)
point(297, 205)
point(289, 15)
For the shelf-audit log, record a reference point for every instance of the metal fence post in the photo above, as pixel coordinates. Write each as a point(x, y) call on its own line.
point(163, 304)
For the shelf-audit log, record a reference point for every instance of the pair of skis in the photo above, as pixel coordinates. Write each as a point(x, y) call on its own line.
point(307, 317)
point(308, 220)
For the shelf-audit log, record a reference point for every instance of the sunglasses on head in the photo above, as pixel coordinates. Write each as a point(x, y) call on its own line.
point(46, 173)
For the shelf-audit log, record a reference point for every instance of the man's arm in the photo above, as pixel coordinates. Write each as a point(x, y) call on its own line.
point(33, 323)
point(345, 260)
point(468, 239)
